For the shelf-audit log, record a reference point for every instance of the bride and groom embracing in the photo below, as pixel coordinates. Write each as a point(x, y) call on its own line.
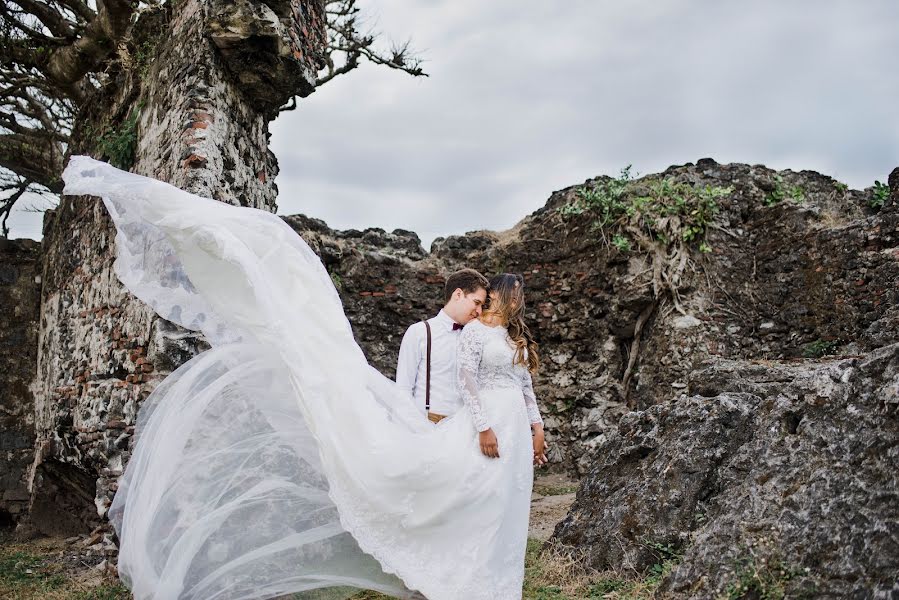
point(279, 462)
point(431, 369)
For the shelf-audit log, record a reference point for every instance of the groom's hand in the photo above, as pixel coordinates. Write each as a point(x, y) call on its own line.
point(489, 445)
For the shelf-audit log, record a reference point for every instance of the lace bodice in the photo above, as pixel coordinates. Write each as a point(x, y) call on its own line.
point(484, 361)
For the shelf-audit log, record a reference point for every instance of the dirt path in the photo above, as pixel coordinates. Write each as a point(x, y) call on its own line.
point(553, 496)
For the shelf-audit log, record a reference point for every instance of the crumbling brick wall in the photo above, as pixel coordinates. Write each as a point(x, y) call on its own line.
point(204, 102)
point(20, 286)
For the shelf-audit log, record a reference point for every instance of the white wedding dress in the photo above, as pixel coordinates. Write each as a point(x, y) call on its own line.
point(279, 462)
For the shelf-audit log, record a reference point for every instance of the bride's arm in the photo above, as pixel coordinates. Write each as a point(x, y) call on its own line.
point(468, 360)
point(530, 401)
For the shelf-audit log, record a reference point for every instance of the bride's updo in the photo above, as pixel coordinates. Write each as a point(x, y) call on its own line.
point(507, 306)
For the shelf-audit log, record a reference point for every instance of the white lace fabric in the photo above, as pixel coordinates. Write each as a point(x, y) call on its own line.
point(279, 462)
point(485, 358)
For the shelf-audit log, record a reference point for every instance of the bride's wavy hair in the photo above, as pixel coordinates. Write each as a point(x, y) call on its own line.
point(507, 304)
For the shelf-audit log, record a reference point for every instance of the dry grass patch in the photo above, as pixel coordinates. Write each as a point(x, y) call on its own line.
point(32, 570)
point(557, 573)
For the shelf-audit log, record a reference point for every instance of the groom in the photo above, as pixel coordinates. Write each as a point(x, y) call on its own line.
point(433, 383)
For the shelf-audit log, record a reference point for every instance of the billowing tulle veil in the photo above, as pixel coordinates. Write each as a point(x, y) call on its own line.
point(277, 462)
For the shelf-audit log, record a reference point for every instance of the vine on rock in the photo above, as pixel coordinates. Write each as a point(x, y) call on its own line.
point(658, 217)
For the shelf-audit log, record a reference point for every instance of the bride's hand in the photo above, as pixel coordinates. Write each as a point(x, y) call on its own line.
point(540, 447)
point(489, 445)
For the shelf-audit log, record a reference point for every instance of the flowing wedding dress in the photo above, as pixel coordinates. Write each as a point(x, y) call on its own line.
point(279, 462)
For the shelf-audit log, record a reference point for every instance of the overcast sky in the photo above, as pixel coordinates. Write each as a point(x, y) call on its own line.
point(529, 96)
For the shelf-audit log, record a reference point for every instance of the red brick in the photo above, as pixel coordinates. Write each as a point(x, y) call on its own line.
point(202, 115)
point(194, 161)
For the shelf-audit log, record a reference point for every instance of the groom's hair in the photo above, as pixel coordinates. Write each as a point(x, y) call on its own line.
point(467, 280)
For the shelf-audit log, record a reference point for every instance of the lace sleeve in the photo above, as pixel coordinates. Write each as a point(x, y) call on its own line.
point(530, 400)
point(468, 360)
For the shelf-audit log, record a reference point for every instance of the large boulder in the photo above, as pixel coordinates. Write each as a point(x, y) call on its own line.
point(764, 477)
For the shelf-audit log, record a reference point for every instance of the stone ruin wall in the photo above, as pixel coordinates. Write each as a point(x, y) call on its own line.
point(584, 311)
point(20, 287)
point(781, 280)
point(203, 126)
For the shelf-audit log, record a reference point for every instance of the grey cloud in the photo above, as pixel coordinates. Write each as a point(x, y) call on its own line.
point(529, 97)
point(526, 98)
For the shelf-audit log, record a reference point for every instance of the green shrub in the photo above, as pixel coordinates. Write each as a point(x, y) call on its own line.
point(656, 211)
point(820, 348)
point(880, 196)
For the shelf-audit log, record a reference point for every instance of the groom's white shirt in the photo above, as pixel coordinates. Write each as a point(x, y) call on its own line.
point(410, 367)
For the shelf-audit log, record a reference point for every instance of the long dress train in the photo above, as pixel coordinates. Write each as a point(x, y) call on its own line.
point(279, 462)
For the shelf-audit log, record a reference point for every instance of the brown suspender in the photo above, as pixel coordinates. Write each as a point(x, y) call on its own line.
point(428, 368)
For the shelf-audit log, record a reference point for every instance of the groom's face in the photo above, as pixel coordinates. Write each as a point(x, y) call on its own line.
point(468, 306)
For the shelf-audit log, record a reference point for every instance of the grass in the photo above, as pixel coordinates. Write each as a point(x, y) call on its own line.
point(766, 580)
point(820, 348)
point(26, 576)
point(31, 572)
point(112, 591)
point(551, 574)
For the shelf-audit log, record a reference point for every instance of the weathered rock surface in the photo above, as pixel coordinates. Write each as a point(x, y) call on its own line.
point(802, 277)
point(748, 457)
point(20, 289)
point(777, 475)
point(189, 93)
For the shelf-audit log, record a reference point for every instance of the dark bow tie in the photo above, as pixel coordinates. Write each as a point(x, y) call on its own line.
point(457, 326)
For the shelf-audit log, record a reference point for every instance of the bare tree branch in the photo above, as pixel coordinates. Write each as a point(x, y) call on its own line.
point(347, 46)
point(69, 64)
point(37, 159)
point(7, 203)
point(81, 10)
point(48, 52)
point(51, 18)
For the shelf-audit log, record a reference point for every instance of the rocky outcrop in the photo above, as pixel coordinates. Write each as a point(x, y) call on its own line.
point(273, 50)
point(20, 288)
point(768, 475)
point(772, 470)
point(809, 275)
point(761, 455)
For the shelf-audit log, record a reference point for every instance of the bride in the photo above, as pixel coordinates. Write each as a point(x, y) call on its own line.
point(279, 462)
